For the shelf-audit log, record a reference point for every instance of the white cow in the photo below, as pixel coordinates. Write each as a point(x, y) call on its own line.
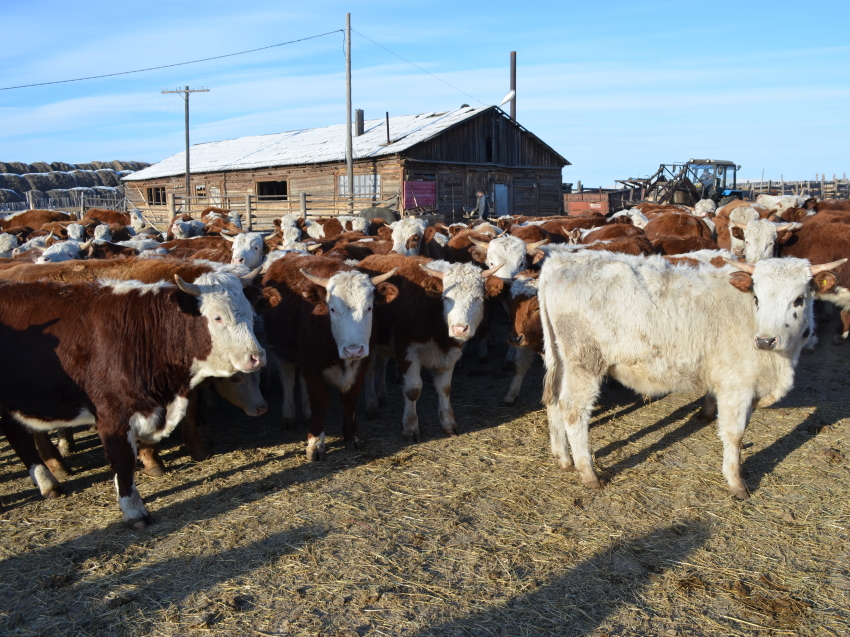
point(704, 207)
point(407, 236)
point(740, 217)
point(75, 231)
point(734, 332)
point(63, 251)
point(780, 203)
point(187, 229)
point(639, 220)
point(8, 242)
point(102, 233)
point(247, 249)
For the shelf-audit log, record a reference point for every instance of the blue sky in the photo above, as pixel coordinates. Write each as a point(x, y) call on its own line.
point(616, 87)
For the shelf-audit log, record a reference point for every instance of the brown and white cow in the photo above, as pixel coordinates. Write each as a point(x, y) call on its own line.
point(58, 374)
point(439, 308)
point(321, 322)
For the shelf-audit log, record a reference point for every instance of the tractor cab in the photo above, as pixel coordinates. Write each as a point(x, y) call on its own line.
point(714, 179)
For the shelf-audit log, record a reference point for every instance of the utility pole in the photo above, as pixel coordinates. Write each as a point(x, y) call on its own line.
point(349, 149)
point(185, 93)
point(513, 84)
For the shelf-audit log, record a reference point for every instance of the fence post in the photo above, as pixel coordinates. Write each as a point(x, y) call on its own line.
point(303, 205)
point(248, 212)
point(782, 184)
point(82, 212)
point(172, 206)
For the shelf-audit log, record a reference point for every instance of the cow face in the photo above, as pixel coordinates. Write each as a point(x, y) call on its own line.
point(8, 242)
point(102, 233)
point(407, 236)
point(782, 299)
point(463, 292)
point(230, 321)
point(509, 252)
point(524, 311)
point(63, 251)
point(247, 249)
point(350, 298)
point(75, 231)
point(243, 390)
point(761, 237)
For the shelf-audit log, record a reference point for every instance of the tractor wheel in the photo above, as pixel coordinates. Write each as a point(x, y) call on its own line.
point(724, 200)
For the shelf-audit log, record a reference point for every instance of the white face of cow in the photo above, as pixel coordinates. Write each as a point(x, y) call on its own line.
point(243, 390)
point(407, 236)
point(230, 320)
point(247, 250)
point(759, 241)
point(291, 235)
point(75, 231)
point(8, 242)
point(350, 301)
point(782, 297)
point(235, 218)
point(510, 251)
point(62, 251)
point(463, 298)
point(102, 233)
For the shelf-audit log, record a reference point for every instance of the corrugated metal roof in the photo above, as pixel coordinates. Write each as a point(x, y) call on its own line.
point(309, 146)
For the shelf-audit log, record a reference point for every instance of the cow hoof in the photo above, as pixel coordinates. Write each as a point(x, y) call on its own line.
point(507, 366)
point(382, 401)
point(705, 417)
point(155, 471)
point(506, 403)
point(140, 523)
point(594, 484)
point(413, 437)
point(54, 493)
point(372, 413)
point(741, 493)
point(314, 455)
point(286, 423)
point(198, 454)
point(566, 465)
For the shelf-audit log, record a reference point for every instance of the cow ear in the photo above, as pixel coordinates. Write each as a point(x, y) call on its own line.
point(433, 286)
point(539, 255)
point(478, 254)
point(385, 292)
point(315, 294)
point(737, 233)
point(782, 237)
point(494, 286)
point(187, 303)
point(824, 283)
point(742, 281)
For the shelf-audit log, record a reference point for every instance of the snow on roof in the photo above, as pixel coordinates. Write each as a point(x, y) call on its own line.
point(309, 146)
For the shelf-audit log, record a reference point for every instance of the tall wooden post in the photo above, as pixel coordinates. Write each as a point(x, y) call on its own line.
point(513, 84)
point(248, 212)
point(82, 212)
point(349, 150)
point(303, 205)
point(172, 206)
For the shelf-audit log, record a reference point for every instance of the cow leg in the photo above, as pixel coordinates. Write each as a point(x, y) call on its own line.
point(709, 408)
point(319, 397)
point(21, 440)
point(194, 430)
point(122, 458)
point(50, 455)
point(558, 438)
point(443, 385)
point(305, 398)
point(381, 386)
point(411, 388)
point(733, 414)
point(577, 395)
point(349, 411)
point(843, 326)
point(524, 357)
point(510, 359)
point(152, 464)
point(287, 382)
point(370, 397)
point(482, 349)
point(66, 441)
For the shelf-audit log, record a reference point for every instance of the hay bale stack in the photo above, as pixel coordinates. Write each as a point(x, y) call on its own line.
point(85, 178)
point(38, 181)
point(10, 196)
point(13, 181)
point(61, 165)
point(108, 178)
point(40, 167)
point(10, 167)
point(59, 179)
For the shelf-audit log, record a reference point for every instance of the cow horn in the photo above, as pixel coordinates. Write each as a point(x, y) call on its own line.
point(188, 288)
point(50, 236)
point(488, 273)
point(383, 277)
point(817, 269)
point(749, 268)
point(171, 249)
point(228, 237)
point(787, 226)
point(248, 279)
point(531, 248)
point(87, 244)
point(312, 247)
point(479, 243)
point(321, 281)
point(435, 273)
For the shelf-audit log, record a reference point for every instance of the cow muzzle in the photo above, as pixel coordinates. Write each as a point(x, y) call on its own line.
point(517, 340)
point(354, 352)
point(460, 331)
point(767, 343)
point(254, 362)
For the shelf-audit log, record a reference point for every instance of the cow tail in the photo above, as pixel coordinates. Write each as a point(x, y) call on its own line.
point(552, 379)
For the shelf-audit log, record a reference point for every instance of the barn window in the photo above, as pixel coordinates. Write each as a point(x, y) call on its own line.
point(489, 148)
point(156, 196)
point(365, 186)
point(272, 190)
point(201, 190)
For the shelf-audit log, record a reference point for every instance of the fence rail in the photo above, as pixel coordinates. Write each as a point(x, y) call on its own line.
point(822, 189)
point(69, 204)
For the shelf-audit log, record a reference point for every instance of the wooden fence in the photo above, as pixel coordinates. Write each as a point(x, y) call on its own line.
point(67, 204)
point(820, 188)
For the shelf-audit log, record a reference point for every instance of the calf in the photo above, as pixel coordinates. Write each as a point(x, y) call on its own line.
point(321, 322)
point(248, 249)
point(439, 308)
point(407, 236)
point(58, 375)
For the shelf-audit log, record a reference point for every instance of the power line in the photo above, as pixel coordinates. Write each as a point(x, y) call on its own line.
point(167, 66)
point(420, 68)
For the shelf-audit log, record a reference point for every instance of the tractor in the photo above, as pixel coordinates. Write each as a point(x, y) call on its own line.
point(688, 183)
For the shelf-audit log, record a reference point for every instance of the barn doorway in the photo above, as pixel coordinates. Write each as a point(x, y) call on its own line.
point(502, 207)
point(272, 190)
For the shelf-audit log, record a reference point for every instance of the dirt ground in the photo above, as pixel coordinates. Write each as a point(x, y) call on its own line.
point(475, 535)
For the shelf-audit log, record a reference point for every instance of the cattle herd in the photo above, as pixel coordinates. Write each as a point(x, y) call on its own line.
point(106, 322)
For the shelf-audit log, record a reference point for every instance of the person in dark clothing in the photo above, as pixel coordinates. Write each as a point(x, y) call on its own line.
point(482, 206)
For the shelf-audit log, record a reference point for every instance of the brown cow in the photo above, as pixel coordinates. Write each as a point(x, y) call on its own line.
point(322, 323)
point(109, 216)
point(33, 218)
point(673, 224)
point(682, 245)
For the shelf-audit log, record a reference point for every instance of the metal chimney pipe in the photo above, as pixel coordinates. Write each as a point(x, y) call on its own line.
point(359, 126)
point(513, 84)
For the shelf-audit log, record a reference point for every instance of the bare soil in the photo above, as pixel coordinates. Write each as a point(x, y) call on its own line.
point(476, 535)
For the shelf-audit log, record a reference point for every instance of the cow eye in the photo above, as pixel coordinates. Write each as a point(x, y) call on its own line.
point(798, 302)
point(218, 319)
point(333, 310)
point(756, 299)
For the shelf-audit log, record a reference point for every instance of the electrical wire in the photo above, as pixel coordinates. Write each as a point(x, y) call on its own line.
point(420, 68)
point(167, 66)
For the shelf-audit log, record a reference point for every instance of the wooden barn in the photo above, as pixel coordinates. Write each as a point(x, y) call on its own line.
point(432, 161)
